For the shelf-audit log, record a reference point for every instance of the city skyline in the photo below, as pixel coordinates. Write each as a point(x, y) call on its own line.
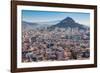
point(47, 16)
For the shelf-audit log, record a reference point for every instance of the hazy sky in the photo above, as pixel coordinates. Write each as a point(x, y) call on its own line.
point(45, 16)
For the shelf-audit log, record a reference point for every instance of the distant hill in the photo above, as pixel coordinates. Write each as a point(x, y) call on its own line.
point(30, 25)
point(68, 22)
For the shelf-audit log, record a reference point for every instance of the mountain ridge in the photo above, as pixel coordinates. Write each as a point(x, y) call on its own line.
point(65, 23)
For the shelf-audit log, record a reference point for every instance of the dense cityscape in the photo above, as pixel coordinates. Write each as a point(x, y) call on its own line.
point(59, 44)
